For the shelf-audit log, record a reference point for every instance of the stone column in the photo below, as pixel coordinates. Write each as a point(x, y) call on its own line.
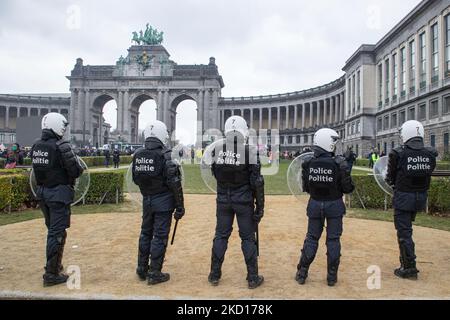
point(260, 118)
point(120, 112)
point(303, 115)
point(160, 105)
point(71, 119)
point(6, 117)
point(270, 118)
point(87, 115)
point(329, 104)
point(167, 108)
point(287, 117)
point(325, 105)
point(251, 117)
point(318, 113)
point(126, 115)
point(296, 116)
point(79, 113)
point(214, 108)
point(311, 115)
point(335, 109)
point(342, 107)
point(278, 118)
point(200, 118)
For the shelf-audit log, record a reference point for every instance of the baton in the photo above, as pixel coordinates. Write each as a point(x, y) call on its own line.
point(174, 233)
point(257, 239)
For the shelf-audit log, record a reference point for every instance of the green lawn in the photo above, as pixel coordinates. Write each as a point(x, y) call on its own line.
point(422, 219)
point(26, 215)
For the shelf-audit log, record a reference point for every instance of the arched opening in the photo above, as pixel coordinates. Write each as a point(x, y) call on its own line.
point(144, 110)
point(104, 119)
point(183, 120)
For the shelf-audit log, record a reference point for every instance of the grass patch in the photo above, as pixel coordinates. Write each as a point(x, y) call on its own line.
point(16, 217)
point(422, 219)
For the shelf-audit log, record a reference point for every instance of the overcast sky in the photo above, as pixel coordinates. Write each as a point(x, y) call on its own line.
point(260, 46)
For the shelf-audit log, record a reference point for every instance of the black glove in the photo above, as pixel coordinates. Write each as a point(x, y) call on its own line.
point(258, 215)
point(179, 213)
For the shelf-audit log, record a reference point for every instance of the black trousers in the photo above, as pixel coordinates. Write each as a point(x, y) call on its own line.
point(154, 237)
point(333, 243)
point(247, 227)
point(403, 224)
point(57, 220)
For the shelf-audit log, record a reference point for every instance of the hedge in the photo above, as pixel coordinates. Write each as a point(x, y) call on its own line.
point(15, 192)
point(373, 197)
point(90, 161)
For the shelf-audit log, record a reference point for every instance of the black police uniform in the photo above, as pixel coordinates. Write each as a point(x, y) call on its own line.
point(409, 172)
point(56, 168)
point(159, 180)
point(326, 178)
point(116, 158)
point(240, 193)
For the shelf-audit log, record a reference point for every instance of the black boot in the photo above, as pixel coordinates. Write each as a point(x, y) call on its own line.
point(216, 271)
point(254, 280)
point(155, 275)
point(332, 275)
point(142, 272)
point(407, 268)
point(303, 268)
point(53, 270)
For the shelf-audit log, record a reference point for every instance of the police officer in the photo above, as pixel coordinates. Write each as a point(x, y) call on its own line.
point(326, 178)
point(56, 168)
point(159, 180)
point(240, 193)
point(409, 173)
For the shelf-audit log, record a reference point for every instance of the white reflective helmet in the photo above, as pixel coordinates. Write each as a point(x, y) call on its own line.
point(411, 129)
point(158, 130)
point(326, 139)
point(236, 124)
point(55, 122)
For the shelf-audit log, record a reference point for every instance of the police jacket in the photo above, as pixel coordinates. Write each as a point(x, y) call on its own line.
point(237, 170)
point(410, 166)
point(155, 172)
point(54, 162)
point(326, 177)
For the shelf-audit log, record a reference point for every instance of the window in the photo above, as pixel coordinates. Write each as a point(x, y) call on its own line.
point(412, 113)
point(2, 137)
point(298, 139)
point(423, 61)
point(290, 140)
point(433, 140)
point(358, 90)
point(305, 139)
point(395, 74)
point(385, 147)
point(403, 71)
point(434, 53)
point(446, 106)
point(412, 66)
point(394, 121)
point(392, 145)
point(434, 109)
point(379, 124)
point(282, 140)
point(422, 112)
point(353, 128)
point(447, 45)
point(386, 123)
point(388, 80)
point(446, 142)
point(402, 117)
point(380, 85)
point(358, 126)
